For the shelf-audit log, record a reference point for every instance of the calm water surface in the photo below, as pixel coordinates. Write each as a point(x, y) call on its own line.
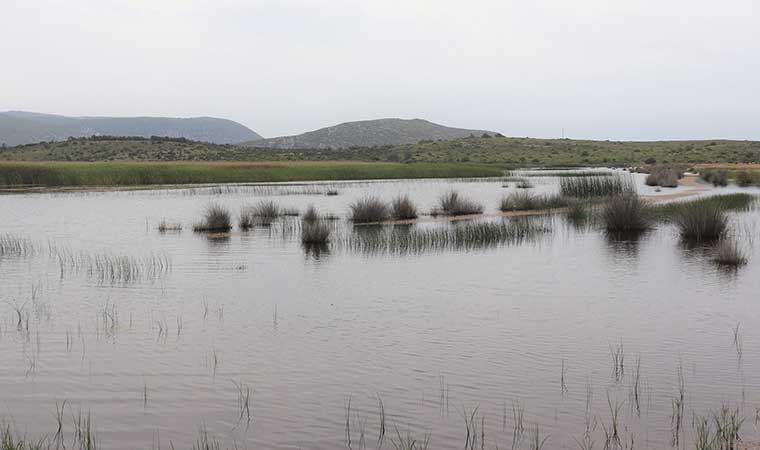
point(433, 334)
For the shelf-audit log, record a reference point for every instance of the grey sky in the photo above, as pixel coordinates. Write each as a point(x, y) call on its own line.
point(617, 69)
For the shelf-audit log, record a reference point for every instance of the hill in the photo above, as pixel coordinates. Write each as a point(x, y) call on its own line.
point(369, 133)
point(502, 151)
point(20, 127)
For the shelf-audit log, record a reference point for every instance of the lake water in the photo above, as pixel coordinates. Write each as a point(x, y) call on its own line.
point(436, 335)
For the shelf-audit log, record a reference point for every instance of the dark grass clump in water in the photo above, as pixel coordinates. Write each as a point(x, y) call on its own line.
point(726, 202)
point(578, 212)
point(625, 213)
point(165, 226)
point(315, 233)
point(524, 201)
point(664, 177)
point(716, 177)
point(452, 204)
point(601, 186)
point(524, 183)
point(701, 221)
point(728, 253)
point(403, 208)
point(216, 218)
point(369, 210)
point(264, 213)
point(311, 214)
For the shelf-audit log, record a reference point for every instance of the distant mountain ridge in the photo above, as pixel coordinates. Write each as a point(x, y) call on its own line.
point(369, 133)
point(21, 127)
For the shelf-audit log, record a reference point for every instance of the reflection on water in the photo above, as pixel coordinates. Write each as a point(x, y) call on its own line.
point(509, 321)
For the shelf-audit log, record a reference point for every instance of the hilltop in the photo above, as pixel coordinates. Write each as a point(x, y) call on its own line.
point(370, 133)
point(20, 127)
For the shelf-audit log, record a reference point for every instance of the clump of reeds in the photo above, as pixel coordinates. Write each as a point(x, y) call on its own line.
point(16, 246)
point(728, 253)
point(578, 212)
point(452, 204)
point(403, 208)
point(216, 218)
point(716, 177)
point(664, 177)
point(600, 186)
point(264, 213)
point(164, 226)
point(744, 178)
point(701, 221)
point(369, 210)
point(524, 201)
point(315, 233)
point(311, 214)
point(625, 213)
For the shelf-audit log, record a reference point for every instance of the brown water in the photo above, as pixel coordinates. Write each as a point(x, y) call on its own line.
point(433, 334)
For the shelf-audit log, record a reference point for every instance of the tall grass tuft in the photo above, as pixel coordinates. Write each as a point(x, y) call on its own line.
point(625, 213)
point(601, 186)
point(369, 210)
point(452, 204)
point(264, 213)
point(701, 221)
point(728, 253)
point(315, 233)
point(403, 208)
point(216, 218)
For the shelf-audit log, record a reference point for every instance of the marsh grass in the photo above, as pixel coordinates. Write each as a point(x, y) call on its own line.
point(625, 213)
point(452, 204)
point(216, 218)
point(111, 268)
point(524, 183)
point(315, 233)
point(524, 201)
point(725, 202)
point(18, 246)
point(403, 208)
point(728, 253)
point(701, 222)
point(369, 210)
point(597, 186)
point(466, 236)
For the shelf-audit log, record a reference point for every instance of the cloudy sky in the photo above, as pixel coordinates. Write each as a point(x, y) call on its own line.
point(617, 69)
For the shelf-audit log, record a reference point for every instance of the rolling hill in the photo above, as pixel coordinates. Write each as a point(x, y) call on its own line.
point(20, 127)
point(369, 133)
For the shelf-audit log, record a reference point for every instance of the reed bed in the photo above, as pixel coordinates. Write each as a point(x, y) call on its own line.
point(598, 186)
point(452, 204)
point(524, 201)
point(111, 268)
point(560, 173)
point(467, 236)
point(726, 202)
point(18, 246)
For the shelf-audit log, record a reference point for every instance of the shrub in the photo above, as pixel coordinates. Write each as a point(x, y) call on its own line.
point(625, 213)
point(403, 208)
point(701, 221)
point(368, 210)
point(716, 177)
point(451, 204)
point(744, 178)
point(215, 218)
point(664, 177)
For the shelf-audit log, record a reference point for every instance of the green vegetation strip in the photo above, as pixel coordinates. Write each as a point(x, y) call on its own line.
point(727, 202)
point(62, 174)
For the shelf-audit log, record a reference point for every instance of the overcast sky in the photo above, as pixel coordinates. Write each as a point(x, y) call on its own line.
point(617, 69)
